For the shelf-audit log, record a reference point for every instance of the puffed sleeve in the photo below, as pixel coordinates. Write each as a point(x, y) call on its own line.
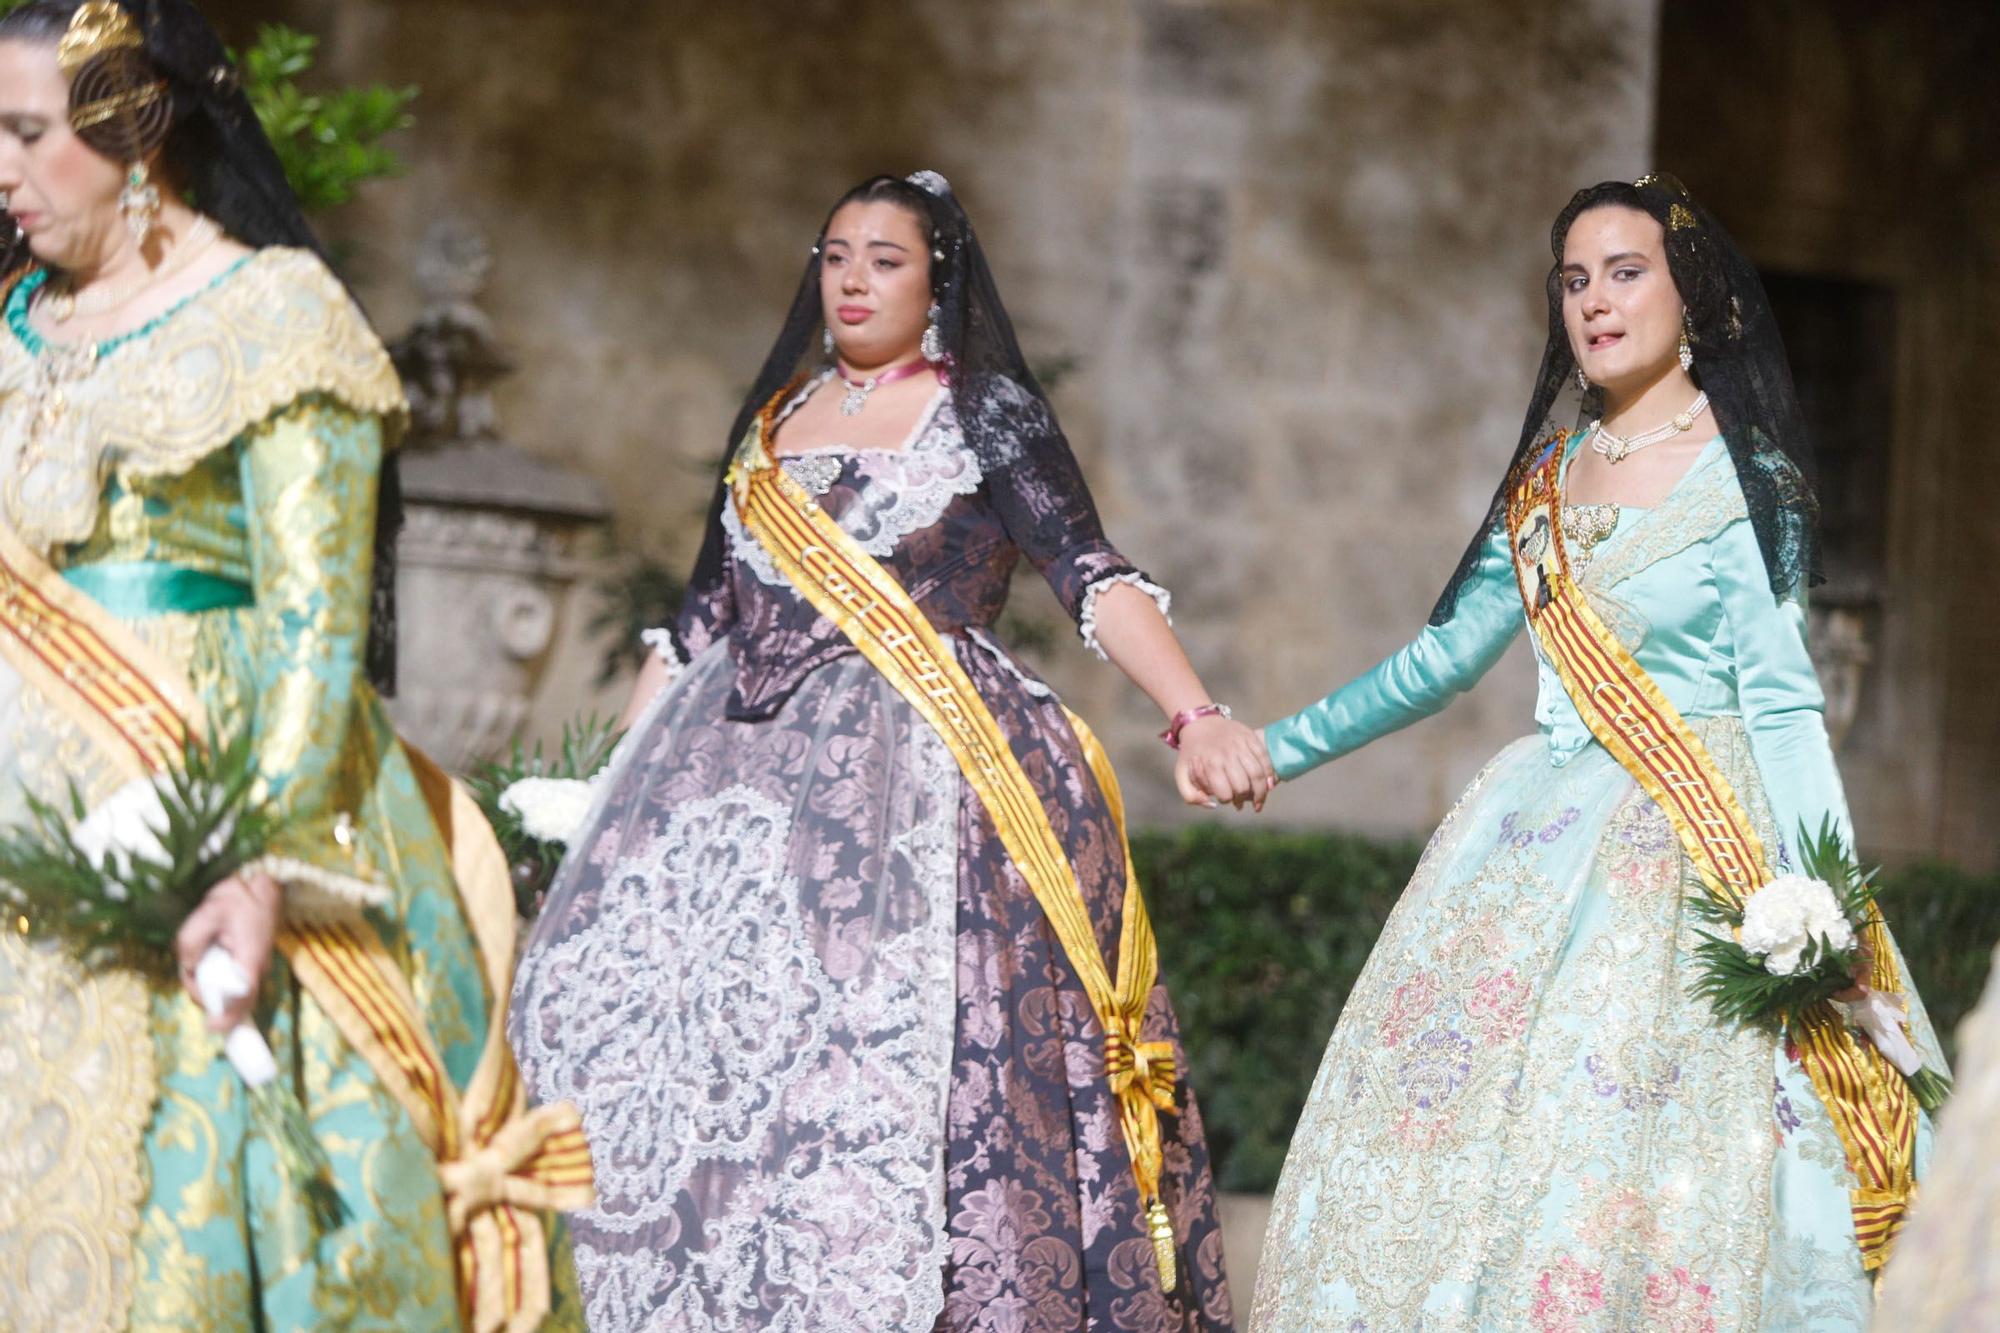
point(1046, 507)
point(1784, 709)
point(1415, 681)
point(309, 477)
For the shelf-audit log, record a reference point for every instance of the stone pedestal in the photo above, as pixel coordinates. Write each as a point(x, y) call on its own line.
point(494, 540)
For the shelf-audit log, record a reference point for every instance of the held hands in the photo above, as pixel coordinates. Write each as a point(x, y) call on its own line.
point(1223, 760)
point(240, 914)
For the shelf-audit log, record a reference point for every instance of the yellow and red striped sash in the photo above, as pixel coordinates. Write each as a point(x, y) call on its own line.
point(1871, 1106)
point(64, 646)
point(498, 1162)
point(851, 589)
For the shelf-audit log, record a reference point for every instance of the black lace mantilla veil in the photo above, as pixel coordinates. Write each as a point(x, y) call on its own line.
point(1739, 361)
point(214, 145)
point(1005, 416)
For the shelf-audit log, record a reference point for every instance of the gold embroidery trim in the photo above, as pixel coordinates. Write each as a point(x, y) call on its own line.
point(277, 329)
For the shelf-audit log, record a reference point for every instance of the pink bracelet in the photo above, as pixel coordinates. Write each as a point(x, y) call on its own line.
point(1172, 735)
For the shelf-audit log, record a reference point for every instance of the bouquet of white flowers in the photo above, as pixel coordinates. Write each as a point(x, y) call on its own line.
point(1799, 941)
point(536, 804)
point(114, 884)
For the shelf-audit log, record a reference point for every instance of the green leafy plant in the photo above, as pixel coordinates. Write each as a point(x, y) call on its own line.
point(1798, 943)
point(330, 142)
point(1262, 932)
point(520, 792)
point(114, 884)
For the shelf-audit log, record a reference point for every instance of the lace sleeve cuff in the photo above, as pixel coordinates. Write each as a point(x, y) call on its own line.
point(1086, 617)
point(661, 642)
point(315, 893)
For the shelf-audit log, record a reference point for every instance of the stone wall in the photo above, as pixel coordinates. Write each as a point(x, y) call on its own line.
point(1855, 141)
point(1293, 249)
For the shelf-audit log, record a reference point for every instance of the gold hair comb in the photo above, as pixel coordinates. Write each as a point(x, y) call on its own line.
point(100, 26)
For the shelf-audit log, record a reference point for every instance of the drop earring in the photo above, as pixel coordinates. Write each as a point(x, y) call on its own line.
point(826, 341)
point(1582, 381)
point(139, 202)
point(1687, 347)
point(932, 345)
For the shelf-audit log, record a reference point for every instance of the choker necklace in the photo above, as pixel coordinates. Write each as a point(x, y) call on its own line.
point(856, 397)
point(1616, 449)
point(67, 305)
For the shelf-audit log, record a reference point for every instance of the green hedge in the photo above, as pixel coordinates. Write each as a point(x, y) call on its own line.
point(1262, 933)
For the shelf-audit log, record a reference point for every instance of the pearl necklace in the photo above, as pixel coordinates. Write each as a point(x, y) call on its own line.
point(63, 306)
point(857, 393)
point(1616, 449)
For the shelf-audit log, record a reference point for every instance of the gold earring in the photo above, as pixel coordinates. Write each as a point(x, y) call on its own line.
point(139, 201)
point(1687, 350)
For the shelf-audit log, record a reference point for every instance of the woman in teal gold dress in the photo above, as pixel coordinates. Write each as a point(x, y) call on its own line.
point(1525, 1118)
point(193, 420)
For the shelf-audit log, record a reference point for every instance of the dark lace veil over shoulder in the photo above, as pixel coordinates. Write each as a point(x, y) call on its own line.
point(1739, 361)
point(1006, 418)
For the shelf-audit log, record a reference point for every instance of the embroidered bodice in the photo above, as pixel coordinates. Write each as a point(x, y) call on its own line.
point(945, 529)
point(1683, 587)
point(272, 329)
point(220, 464)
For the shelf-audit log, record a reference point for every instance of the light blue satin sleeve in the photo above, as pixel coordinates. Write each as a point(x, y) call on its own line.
point(1416, 680)
point(1783, 706)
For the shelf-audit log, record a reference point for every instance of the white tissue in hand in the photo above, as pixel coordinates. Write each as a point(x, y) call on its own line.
point(218, 979)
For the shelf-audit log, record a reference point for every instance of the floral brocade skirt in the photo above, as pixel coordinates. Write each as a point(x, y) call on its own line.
point(1524, 1120)
point(835, 1070)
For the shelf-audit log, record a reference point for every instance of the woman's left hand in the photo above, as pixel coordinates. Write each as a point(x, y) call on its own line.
point(1223, 760)
point(240, 914)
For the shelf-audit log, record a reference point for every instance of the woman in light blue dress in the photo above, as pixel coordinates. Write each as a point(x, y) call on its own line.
point(1525, 1119)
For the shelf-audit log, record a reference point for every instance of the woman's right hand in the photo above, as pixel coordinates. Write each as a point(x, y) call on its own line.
point(1223, 760)
point(241, 915)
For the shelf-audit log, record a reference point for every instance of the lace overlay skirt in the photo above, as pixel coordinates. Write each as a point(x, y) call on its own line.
point(834, 1068)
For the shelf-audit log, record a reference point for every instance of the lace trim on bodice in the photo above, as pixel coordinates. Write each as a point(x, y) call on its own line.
point(1609, 544)
point(901, 491)
point(1705, 503)
point(278, 327)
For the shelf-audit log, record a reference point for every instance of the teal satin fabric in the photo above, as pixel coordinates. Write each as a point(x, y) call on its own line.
point(1683, 585)
point(134, 589)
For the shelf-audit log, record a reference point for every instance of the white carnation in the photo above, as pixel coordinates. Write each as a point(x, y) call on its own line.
point(1781, 920)
point(550, 809)
point(125, 827)
point(128, 826)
